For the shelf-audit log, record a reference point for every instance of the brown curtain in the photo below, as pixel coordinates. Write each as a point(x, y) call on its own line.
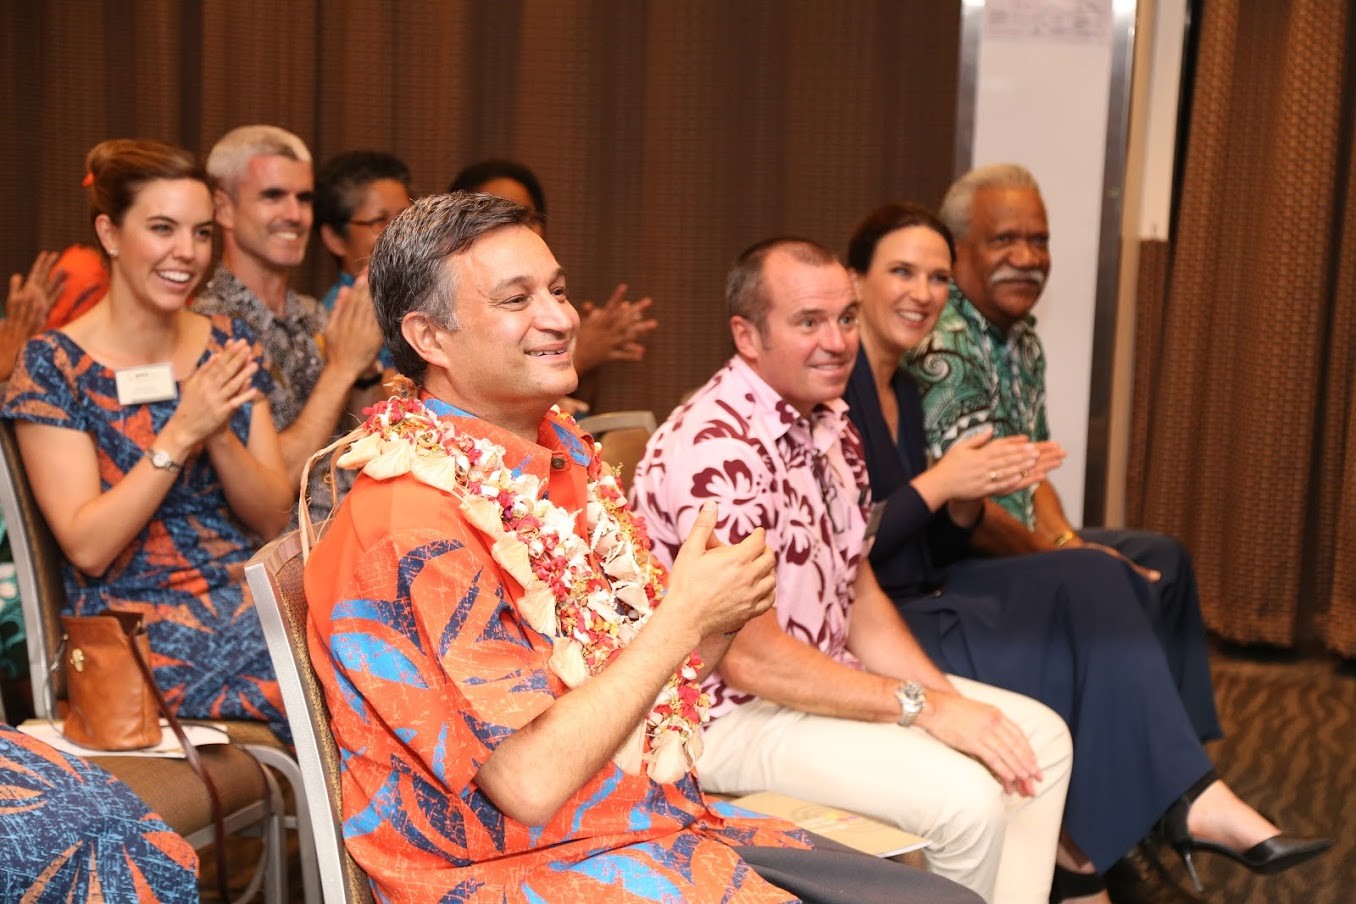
point(1245, 410)
point(668, 135)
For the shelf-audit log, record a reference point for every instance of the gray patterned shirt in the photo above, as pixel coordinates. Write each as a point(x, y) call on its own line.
point(293, 354)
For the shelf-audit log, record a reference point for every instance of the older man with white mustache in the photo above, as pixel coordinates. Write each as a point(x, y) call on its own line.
point(322, 365)
point(984, 364)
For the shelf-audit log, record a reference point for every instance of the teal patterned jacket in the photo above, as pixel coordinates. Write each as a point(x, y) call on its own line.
point(972, 375)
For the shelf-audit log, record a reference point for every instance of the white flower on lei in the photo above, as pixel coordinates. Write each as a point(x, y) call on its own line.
point(483, 515)
point(510, 553)
point(669, 757)
point(555, 520)
point(362, 451)
point(395, 459)
point(538, 607)
point(567, 661)
point(630, 756)
point(436, 469)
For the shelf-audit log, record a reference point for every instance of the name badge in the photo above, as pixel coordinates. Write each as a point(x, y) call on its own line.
point(151, 383)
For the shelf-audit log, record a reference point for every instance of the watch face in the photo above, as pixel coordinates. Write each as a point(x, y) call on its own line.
point(161, 459)
point(912, 699)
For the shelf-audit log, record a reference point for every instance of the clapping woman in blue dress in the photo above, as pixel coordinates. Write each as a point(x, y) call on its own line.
point(146, 435)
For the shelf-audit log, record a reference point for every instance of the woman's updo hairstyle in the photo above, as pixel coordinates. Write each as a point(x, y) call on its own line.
point(116, 169)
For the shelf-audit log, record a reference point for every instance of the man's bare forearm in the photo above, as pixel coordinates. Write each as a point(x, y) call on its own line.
point(1000, 534)
point(537, 768)
point(766, 661)
point(316, 423)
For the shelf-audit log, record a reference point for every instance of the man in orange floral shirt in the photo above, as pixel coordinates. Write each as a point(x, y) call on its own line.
point(514, 684)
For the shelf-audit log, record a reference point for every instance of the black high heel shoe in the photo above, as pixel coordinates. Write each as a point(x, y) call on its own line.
point(1279, 852)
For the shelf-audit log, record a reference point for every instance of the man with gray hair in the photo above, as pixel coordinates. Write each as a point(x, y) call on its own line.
point(513, 683)
point(322, 365)
point(984, 364)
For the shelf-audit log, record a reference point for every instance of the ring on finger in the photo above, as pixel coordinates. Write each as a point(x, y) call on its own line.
point(993, 477)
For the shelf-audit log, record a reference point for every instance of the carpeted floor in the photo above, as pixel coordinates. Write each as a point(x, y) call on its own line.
point(1289, 750)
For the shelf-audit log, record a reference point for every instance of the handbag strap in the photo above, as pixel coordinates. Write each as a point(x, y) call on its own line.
point(194, 760)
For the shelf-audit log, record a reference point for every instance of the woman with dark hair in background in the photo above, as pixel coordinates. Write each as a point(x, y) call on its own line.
point(505, 179)
point(1067, 628)
point(609, 333)
point(146, 436)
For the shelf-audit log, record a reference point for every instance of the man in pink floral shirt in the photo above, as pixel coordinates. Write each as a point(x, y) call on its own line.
point(828, 697)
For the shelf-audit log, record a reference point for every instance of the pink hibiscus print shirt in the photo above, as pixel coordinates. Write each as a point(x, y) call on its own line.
point(765, 465)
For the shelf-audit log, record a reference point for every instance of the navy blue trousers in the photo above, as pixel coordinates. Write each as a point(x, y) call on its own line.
point(1174, 610)
point(1070, 629)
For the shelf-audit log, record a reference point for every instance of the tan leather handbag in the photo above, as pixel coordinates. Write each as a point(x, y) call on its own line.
point(110, 705)
point(113, 702)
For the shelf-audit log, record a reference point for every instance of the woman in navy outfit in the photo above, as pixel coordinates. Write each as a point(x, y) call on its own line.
point(1066, 627)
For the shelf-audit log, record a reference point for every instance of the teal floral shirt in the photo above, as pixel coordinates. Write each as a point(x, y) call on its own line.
point(971, 375)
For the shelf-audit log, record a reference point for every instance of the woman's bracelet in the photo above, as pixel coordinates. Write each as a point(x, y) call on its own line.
point(1065, 538)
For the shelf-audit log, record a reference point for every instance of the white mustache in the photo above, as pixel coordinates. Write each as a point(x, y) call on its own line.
point(1007, 273)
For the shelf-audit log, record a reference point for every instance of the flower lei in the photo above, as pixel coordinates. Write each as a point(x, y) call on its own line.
point(589, 613)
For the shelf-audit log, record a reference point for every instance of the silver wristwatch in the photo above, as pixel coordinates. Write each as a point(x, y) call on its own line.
point(912, 698)
point(162, 460)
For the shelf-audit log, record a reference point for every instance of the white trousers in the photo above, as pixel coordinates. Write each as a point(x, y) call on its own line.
point(1000, 845)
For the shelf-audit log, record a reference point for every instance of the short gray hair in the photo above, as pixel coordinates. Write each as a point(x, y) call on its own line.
point(233, 153)
point(958, 205)
point(409, 268)
point(744, 295)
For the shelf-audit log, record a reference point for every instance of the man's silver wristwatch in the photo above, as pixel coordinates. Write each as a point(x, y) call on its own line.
point(162, 460)
point(912, 698)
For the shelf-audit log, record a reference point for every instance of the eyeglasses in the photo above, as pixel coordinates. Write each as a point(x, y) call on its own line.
point(378, 222)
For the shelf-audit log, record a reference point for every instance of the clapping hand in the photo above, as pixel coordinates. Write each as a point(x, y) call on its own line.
point(26, 307)
point(214, 391)
point(612, 332)
point(572, 406)
point(1050, 455)
point(31, 297)
point(979, 465)
point(722, 586)
point(352, 336)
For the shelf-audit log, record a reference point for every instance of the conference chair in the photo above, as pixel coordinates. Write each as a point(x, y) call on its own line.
point(623, 435)
point(274, 577)
point(251, 799)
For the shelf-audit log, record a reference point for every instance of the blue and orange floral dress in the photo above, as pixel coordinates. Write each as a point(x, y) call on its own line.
point(69, 831)
point(183, 569)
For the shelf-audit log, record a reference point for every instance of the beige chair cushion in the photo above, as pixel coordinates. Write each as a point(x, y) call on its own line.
point(172, 789)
